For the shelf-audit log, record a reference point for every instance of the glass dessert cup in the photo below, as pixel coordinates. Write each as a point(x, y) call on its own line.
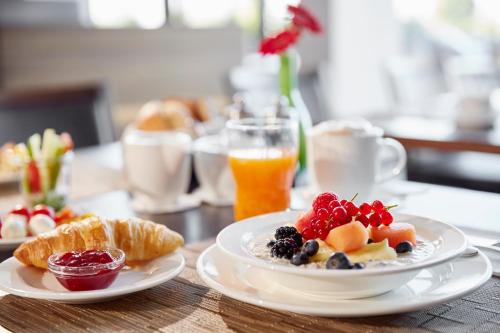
point(47, 181)
point(86, 276)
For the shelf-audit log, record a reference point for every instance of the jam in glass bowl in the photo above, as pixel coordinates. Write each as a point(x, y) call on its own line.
point(87, 270)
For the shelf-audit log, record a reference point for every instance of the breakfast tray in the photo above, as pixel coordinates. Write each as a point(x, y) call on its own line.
point(186, 304)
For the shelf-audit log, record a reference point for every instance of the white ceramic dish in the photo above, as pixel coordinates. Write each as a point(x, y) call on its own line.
point(11, 244)
point(432, 286)
point(31, 282)
point(9, 178)
point(236, 239)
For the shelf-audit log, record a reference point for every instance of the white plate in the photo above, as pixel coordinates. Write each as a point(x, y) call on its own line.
point(431, 286)
point(31, 282)
point(185, 202)
point(11, 244)
point(9, 178)
point(236, 239)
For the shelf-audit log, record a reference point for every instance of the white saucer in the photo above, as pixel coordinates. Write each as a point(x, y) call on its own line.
point(184, 202)
point(209, 199)
point(31, 282)
point(11, 244)
point(431, 286)
point(9, 178)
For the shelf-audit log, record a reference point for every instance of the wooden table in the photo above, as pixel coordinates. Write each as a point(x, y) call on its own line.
point(186, 304)
point(439, 134)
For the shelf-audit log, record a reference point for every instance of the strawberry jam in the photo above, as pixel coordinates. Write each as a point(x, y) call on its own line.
point(87, 270)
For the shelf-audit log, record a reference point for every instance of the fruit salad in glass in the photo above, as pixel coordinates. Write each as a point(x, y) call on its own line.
point(45, 172)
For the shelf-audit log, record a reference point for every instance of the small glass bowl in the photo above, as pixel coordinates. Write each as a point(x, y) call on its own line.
point(93, 277)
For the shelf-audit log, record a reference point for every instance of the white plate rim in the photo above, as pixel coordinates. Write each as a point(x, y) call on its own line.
point(14, 241)
point(96, 294)
point(334, 311)
point(337, 273)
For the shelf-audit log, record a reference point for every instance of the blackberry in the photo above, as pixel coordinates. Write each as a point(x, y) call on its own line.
point(285, 232)
point(289, 232)
point(284, 248)
point(271, 243)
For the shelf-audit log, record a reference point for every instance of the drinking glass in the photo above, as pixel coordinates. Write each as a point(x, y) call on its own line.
point(262, 156)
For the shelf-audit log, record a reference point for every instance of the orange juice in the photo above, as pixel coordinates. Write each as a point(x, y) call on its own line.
point(263, 180)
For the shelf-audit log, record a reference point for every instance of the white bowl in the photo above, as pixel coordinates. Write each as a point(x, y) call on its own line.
point(235, 241)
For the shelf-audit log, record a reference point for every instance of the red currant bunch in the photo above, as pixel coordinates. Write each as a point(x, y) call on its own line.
point(375, 214)
point(328, 212)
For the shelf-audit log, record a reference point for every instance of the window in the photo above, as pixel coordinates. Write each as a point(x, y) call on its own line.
point(145, 14)
point(475, 17)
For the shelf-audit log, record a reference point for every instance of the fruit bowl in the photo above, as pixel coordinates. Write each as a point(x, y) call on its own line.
point(238, 241)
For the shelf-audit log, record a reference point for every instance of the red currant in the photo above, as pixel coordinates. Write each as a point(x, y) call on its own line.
point(378, 206)
point(386, 217)
point(322, 214)
point(343, 202)
point(333, 204)
point(331, 225)
point(365, 208)
point(308, 234)
point(322, 200)
point(317, 224)
point(374, 220)
point(339, 214)
point(351, 208)
point(363, 219)
point(322, 233)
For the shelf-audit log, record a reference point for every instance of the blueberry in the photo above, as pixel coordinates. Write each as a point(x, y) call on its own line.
point(338, 261)
point(300, 258)
point(404, 247)
point(358, 265)
point(311, 247)
point(369, 241)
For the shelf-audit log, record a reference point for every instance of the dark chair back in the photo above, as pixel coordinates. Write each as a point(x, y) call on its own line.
point(83, 111)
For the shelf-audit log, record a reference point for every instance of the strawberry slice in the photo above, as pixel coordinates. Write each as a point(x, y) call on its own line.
point(34, 177)
point(304, 221)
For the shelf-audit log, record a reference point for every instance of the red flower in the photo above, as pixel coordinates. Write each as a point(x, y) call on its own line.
point(302, 18)
point(280, 42)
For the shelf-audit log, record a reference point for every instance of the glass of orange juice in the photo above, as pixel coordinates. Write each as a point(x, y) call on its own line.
point(262, 156)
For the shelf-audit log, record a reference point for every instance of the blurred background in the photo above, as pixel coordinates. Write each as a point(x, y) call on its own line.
point(426, 71)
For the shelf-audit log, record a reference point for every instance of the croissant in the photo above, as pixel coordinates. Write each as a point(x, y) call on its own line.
point(139, 239)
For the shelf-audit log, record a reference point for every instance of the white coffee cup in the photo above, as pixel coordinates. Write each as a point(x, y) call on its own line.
point(212, 170)
point(345, 157)
point(157, 168)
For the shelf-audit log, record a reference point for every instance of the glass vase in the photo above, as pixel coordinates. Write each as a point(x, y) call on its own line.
point(289, 87)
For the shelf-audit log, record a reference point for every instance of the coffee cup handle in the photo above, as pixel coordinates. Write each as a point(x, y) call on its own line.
point(400, 163)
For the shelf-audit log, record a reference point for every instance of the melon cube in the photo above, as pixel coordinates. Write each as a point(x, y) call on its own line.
point(348, 237)
point(373, 251)
point(395, 233)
